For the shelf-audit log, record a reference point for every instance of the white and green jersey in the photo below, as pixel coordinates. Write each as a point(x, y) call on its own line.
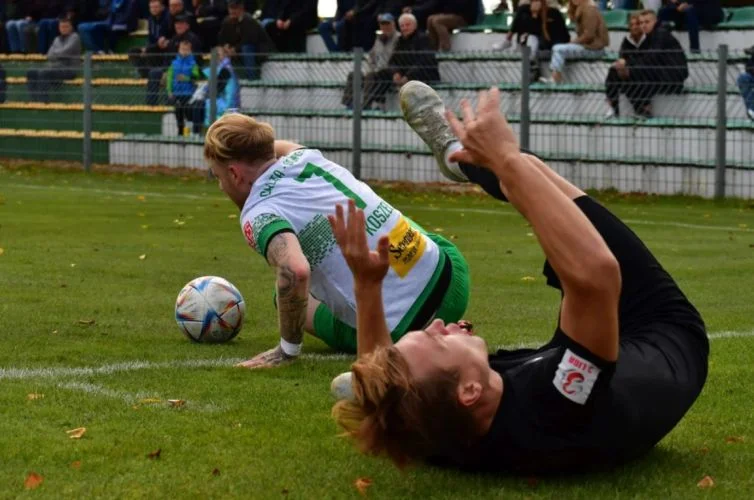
point(298, 192)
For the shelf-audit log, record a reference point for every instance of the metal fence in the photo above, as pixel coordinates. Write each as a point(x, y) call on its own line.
point(667, 135)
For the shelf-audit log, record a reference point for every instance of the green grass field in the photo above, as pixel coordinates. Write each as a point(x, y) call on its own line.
point(89, 270)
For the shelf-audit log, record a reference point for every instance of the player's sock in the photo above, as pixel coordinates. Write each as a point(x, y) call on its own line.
point(453, 166)
point(484, 179)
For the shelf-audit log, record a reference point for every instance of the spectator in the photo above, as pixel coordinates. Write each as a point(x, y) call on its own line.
point(242, 36)
point(746, 84)
point(16, 25)
point(692, 14)
point(629, 73)
point(63, 62)
point(363, 19)
point(421, 9)
point(591, 37)
point(115, 19)
point(177, 8)
point(182, 27)
point(157, 41)
point(538, 26)
point(293, 19)
point(44, 26)
point(451, 14)
point(666, 64)
point(183, 73)
point(209, 17)
point(377, 75)
point(338, 26)
point(228, 91)
point(412, 59)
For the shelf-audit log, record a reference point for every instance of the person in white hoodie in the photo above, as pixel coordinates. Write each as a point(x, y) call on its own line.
point(63, 63)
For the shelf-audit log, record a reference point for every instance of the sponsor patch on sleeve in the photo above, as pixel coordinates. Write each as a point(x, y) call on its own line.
point(575, 377)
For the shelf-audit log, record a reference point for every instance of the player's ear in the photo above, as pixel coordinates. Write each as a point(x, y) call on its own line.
point(469, 392)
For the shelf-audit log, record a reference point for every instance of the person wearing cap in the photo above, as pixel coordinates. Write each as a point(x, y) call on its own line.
point(243, 38)
point(377, 64)
point(339, 26)
point(451, 15)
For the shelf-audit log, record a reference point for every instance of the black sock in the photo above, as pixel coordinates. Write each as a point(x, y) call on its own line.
point(483, 178)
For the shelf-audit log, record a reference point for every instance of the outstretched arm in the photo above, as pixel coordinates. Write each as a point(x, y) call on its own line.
point(588, 270)
point(369, 269)
point(284, 252)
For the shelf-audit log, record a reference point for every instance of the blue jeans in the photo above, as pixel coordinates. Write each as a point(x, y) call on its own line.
point(746, 85)
point(249, 58)
point(15, 29)
point(93, 35)
point(331, 27)
point(48, 30)
point(692, 19)
point(563, 51)
point(154, 78)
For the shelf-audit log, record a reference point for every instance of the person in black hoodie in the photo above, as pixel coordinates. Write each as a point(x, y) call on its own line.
point(293, 19)
point(665, 67)
point(628, 74)
point(150, 55)
point(451, 14)
point(209, 17)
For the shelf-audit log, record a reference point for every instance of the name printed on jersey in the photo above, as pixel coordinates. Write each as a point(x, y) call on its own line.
point(575, 377)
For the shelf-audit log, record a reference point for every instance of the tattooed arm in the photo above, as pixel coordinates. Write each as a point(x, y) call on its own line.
point(285, 254)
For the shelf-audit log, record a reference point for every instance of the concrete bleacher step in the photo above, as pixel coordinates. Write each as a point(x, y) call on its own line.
point(103, 66)
point(418, 165)
point(120, 91)
point(54, 144)
point(105, 118)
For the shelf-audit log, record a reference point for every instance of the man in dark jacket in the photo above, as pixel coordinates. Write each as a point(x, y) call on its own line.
point(178, 8)
point(692, 14)
point(157, 42)
point(293, 19)
point(665, 67)
point(746, 84)
point(451, 14)
point(209, 17)
point(182, 26)
point(243, 38)
point(628, 73)
point(412, 59)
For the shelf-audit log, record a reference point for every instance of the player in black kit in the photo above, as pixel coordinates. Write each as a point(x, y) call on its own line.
point(626, 362)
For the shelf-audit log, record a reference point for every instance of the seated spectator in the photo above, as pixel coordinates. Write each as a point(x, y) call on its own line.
point(43, 28)
point(158, 40)
point(338, 26)
point(422, 9)
point(691, 14)
point(177, 8)
point(628, 74)
point(451, 15)
point(412, 59)
point(115, 19)
point(293, 19)
point(63, 63)
point(228, 91)
point(183, 32)
point(666, 66)
point(209, 16)
point(591, 37)
point(243, 37)
point(538, 26)
point(746, 84)
point(183, 73)
point(377, 75)
point(19, 17)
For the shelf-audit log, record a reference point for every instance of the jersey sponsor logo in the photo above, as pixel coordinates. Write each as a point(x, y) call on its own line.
point(407, 245)
point(272, 181)
point(248, 232)
point(293, 158)
point(575, 377)
point(377, 218)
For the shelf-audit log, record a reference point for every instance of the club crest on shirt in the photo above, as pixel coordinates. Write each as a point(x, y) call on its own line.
point(575, 377)
point(248, 232)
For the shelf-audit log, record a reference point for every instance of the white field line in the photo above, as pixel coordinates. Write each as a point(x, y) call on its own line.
point(482, 211)
point(132, 398)
point(128, 366)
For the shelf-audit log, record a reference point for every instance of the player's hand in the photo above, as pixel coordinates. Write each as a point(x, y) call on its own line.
point(367, 266)
point(486, 136)
point(267, 359)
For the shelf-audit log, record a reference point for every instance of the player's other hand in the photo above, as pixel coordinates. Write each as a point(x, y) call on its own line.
point(267, 359)
point(486, 136)
point(368, 266)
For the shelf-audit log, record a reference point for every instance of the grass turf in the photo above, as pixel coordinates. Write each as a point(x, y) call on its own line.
point(71, 247)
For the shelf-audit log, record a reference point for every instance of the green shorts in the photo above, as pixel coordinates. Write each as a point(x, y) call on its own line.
point(342, 337)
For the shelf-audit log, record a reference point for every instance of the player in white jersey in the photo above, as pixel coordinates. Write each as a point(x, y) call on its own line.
point(285, 193)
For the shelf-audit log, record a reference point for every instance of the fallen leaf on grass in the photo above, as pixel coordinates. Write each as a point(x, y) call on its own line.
point(73, 265)
point(142, 256)
point(438, 230)
point(76, 433)
point(76, 464)
point(734, 439)
point(154, 454)
point(362, 484)
point(54, 332)
point(2, 251)
point(87, 322)
point(33, 480)
point(704, 450)
point(149, 401)
point(528, 278)
point(215, 471)
point(233, 216)
point(176, 403)
point(34, 396)
point(145, 226)
point(141, 197)
point(706, 482)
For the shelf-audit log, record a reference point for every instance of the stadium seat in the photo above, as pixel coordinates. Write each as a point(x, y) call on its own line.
point(740, 18)
point(616, 19)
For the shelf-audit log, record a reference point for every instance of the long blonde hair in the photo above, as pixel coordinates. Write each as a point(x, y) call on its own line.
point(395, 415)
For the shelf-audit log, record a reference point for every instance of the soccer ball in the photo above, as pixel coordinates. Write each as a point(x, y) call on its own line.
point(210, 309)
